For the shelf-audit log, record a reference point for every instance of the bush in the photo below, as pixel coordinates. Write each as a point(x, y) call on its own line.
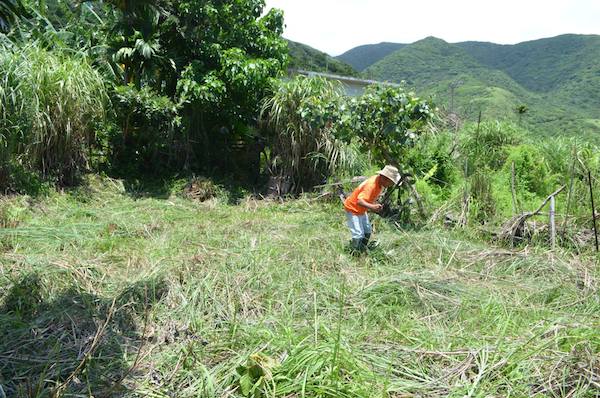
point(49, 105)
point(433, 156)
point(531, 172)
point(299, 120)
point(147, 137)
point(488, 145)
point(483, 204)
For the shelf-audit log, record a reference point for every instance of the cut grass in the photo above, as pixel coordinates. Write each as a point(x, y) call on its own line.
point(122, 296)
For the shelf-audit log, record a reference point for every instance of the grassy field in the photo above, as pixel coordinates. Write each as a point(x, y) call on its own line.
point(107, 291)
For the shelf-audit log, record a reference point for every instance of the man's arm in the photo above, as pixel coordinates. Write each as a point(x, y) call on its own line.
point(376, 207)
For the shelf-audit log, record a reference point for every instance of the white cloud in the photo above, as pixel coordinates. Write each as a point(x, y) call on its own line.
point(335, 26)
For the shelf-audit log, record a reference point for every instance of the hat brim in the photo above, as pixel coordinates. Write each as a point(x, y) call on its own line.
point(394, 180)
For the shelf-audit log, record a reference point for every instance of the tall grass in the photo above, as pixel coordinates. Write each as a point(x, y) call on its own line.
point(300, 127)
point(50, 103)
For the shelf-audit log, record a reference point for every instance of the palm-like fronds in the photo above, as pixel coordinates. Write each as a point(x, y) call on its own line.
point(298, 117)
point(135, 48)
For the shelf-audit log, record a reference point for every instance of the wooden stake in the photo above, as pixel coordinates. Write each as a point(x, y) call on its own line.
point(570, 195)
point(512, 186)
point(552, 224)
point(593, 209)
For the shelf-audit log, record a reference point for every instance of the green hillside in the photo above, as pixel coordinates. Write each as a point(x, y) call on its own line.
point(306, 57)
point(362, 57)
point(566, 65)
point(561, 88)
point(432, 65)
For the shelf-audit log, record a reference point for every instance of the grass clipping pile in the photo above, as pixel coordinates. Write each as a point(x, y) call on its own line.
point(201, 189)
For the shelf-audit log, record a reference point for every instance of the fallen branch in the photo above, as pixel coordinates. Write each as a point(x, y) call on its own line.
point(516, 226)
point(353, 180)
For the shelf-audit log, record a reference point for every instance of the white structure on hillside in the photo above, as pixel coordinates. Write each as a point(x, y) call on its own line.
point(353, 86)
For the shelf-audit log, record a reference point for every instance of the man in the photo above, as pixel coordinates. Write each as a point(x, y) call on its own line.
point(363, 199)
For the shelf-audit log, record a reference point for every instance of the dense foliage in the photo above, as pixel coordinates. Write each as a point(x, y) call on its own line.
point(314, 129)
point(217, 74)
point(9, 12)
point(186, 79)
point(386, 121)
point(301, 125)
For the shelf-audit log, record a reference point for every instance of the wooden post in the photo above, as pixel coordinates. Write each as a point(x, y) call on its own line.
point(570, 195)
point(513, 190)
point(552, 224)
point(593, 209)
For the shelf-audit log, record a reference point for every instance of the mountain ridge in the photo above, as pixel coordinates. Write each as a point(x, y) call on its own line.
point(558, 79)
point(303, 56)
point(363, 56)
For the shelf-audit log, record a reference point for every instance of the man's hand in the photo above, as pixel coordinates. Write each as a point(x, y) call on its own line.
point(377, 207)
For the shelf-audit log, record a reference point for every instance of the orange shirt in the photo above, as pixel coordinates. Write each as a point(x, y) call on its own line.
point(368, 191)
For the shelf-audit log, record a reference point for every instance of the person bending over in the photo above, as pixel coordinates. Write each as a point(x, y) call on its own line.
point(364, 199)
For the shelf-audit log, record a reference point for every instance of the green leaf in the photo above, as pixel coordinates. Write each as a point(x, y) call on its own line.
point(246, 383)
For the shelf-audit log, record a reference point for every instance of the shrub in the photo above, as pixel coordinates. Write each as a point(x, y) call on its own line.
point(299, 119)
point(386, 121)
point(433, 156)
point(483, 205)
point(531, 172)
point(147, 135)
point(488, 144)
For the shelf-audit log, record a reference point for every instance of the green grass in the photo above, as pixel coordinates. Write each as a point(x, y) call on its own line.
point(261, 299)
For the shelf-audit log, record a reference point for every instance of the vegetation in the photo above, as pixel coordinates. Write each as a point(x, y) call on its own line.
point(362, 57)
point(50, 104)
point(132, 296)
point(386, 121)
point(304, 148)
point(157, 269)
point(548, 76)
point(10, 10)
point(307, 58)
point(183, 98)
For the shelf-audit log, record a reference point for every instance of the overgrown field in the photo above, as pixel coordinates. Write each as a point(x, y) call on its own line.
point(107, 291)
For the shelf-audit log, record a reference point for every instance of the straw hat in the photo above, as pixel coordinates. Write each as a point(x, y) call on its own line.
point(391, 173)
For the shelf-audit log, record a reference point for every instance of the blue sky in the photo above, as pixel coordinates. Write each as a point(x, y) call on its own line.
point(335, 26)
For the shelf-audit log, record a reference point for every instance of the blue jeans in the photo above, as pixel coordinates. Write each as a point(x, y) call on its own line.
point(359, 225)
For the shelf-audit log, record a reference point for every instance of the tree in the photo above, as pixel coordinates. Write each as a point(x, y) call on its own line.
point(213, 58)
point(227, 68)
point(135, 39)
point(521, 110)
point(386, 121)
